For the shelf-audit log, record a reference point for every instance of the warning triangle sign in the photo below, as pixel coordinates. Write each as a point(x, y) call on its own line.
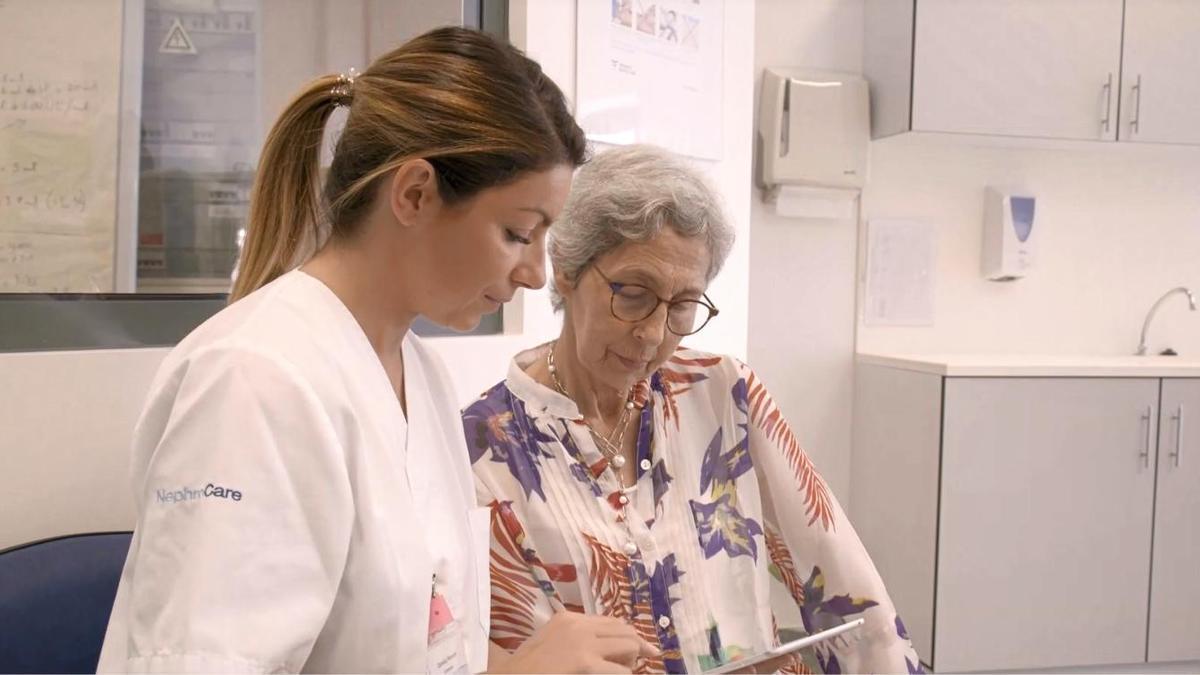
point(177, 40)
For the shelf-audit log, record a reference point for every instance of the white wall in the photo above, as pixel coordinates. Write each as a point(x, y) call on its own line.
point(65, 426)
point(1119, 225)
point(801, 339)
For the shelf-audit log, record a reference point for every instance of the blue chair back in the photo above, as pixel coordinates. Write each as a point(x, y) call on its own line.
point(55, 599)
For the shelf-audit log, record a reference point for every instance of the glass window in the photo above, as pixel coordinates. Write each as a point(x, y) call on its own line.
point(129, 133)
point(199, 141)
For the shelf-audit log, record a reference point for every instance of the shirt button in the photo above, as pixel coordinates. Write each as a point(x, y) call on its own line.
point(645, 465)
point(623, 499)
point(664, 621)
point(631, 548)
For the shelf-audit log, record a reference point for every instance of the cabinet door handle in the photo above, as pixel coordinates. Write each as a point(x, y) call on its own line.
point(1134, 124)
point(1104, 121)
point(1144, 455)
point(1178, 418)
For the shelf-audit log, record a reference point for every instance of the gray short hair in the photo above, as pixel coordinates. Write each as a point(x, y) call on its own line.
point(628, 194)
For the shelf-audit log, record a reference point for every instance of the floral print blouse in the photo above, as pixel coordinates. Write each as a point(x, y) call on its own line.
point(730, 541)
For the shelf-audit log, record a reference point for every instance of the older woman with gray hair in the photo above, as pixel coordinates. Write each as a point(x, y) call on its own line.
point(631, 477)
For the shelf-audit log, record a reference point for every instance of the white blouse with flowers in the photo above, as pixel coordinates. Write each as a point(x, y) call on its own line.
point(727, 510)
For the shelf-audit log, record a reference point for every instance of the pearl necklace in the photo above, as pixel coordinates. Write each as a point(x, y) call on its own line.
point(611, 446)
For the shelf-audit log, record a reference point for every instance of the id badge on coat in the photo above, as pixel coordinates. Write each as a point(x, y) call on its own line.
point(447, 647)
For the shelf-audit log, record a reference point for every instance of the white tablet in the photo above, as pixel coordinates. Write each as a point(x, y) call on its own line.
point(787, 648)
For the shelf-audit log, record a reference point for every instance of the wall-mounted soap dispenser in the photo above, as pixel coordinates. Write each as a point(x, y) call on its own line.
point(1009, 235)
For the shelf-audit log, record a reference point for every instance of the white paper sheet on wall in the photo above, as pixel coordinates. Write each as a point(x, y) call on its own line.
point(901, 255)
point(60, 68)
point(650, 71)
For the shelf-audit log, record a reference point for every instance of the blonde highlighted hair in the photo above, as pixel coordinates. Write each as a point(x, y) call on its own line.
point(477, 109)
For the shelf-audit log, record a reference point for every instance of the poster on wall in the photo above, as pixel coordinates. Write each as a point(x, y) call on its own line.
point(650, 71)
point(901, 261)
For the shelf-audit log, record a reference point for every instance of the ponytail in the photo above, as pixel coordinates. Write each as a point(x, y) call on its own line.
point(285, 224)
point(476, 108)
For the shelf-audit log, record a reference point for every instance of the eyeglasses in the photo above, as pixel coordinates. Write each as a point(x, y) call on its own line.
point(633, 303)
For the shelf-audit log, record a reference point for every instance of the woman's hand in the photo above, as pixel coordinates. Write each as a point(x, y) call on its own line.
point(576, 643)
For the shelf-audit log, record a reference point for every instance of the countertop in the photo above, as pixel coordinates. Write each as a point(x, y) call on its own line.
point(1035, 365)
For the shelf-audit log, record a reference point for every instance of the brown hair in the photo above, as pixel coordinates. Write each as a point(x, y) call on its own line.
point(475, 108)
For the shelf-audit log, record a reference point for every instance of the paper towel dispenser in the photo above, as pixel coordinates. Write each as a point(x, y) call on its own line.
point(814, 129)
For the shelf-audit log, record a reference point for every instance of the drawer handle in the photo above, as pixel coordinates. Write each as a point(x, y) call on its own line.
point(1145, 453)
point(1135, 123)
point(1104, 121)
point(1178, 419)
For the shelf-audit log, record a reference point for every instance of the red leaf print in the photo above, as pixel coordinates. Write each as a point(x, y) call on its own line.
point(610, 579)
point(795, 666)
point(599, 467)
point(766, 416)
point(703, 361)
point(564, 572)
point(641, 392)
point(670, 407)
point(781, 557)
point(515, 587)
point(681, 377)
point(676, 382)
point(613, 594)
point(614, 500)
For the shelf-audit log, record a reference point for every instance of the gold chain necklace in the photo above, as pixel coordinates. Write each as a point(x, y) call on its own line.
point(611, 446)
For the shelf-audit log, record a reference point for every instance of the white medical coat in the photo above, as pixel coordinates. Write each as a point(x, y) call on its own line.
point(290, 518)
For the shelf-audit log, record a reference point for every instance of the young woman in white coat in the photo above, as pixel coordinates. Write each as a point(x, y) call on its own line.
point(304, 497)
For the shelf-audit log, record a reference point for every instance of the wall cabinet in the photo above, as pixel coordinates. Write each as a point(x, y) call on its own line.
point(1160, 72)
point(1112, 70)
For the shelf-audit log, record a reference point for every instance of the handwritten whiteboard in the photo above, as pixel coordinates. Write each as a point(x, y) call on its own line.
point(60, 68)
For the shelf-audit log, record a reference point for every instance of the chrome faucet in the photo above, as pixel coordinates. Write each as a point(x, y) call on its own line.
point(1141, 350)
